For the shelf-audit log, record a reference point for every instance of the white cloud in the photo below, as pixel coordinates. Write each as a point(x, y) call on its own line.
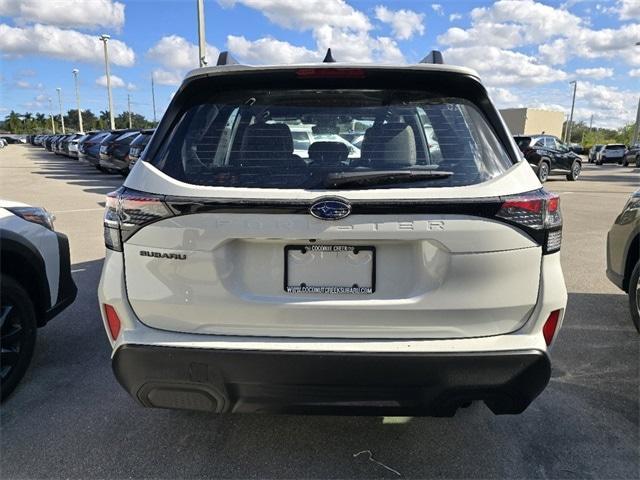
point(609, 105)
point(404, 23)
point(500, 68)
point(455, 16)
point(54, 42)
point(629, 9)
point(357, 46)
point(65, 13)
point(557, 33)
point(116, 82)
point(635, 72)
point(436, 7)
point(308, 14)
point(165, 77)
point(597, 73)
point(177, 53)
point(334, 24)
point(38, 101)
point(503, 98)
point(269, 51)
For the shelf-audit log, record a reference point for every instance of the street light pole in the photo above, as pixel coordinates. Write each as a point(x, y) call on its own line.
point(129, 107)
point(105, 38)
point(153, 99)
point(636, 132)
point(53, 125)
point(60, 103)
point(573, 103)
point(75, 76)
point(202, 44)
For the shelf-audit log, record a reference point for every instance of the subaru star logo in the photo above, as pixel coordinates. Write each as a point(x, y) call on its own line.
point(330, 209)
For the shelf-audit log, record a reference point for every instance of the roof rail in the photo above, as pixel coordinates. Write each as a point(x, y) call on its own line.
point(328, 58)
point(435, 56)
point(225, 58)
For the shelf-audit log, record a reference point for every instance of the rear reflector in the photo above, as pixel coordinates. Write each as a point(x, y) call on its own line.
point(549, 328)
point(113, 321)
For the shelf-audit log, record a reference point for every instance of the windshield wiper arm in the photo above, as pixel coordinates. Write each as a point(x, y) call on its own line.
point(381, 177)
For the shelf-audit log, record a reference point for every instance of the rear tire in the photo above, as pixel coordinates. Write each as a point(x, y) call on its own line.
point(638, 161)
point(634, 296)
point(576, 168)
point(17, 334)
point(543, 171)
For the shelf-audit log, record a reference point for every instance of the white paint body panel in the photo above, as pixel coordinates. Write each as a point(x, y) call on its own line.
point(43, 239)
point(552, 296)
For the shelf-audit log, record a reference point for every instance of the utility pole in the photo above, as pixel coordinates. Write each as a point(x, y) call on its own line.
point(105, 38)
point(573, 103)
point(60, 103)
point(153, 99)
point(75, 76)
point(202, 44)
point(129, 107)
point(53, 125)
point(636, 132)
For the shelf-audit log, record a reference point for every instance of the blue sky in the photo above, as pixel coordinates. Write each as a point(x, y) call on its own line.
point(527, 52)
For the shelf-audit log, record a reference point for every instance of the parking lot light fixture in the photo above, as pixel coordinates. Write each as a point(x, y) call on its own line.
point(53, 125)
point(75, 72)
point(105, 38)
point(59, 90)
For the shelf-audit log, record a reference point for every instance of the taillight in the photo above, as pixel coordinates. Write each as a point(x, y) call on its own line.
point(538, 213)
point(127, 211)
point(550, 326)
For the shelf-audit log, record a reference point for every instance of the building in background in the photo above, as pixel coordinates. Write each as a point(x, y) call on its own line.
point(531, 121)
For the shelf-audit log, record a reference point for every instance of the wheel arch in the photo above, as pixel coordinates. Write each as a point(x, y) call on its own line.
point(20, 259)
point(633, 255)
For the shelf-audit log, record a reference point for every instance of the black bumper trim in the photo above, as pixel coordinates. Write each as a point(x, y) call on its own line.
point(67, 290)
point(416, 384)
point(616, 278)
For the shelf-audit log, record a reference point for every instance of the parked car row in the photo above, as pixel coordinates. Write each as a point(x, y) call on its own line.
point(615, 153)
point(112, 151)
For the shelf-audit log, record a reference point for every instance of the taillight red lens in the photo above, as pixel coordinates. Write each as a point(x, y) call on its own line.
point(113, 321)
point(528, 205)
point(550, 326)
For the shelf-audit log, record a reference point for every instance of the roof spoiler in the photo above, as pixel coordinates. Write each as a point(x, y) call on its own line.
point(225, 58)
point(434, 56)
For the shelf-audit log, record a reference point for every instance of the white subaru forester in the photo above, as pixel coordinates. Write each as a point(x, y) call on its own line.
point(412, 280)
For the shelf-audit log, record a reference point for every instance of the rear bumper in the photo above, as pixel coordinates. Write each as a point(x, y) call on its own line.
point(416, 384)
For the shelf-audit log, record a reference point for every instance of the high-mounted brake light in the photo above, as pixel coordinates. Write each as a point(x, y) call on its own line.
point(539, 213)
point(127, 211)
point(331, 73)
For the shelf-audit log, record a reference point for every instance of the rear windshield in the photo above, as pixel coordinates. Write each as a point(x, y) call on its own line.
point(141, 139)
point(615, 147)
point(127, 138)
point(301, 139)
point(522, 142)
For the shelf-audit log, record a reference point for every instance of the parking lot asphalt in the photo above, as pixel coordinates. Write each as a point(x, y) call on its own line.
point(70, 419)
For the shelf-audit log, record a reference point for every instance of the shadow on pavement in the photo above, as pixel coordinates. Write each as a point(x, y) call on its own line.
point(74, 172)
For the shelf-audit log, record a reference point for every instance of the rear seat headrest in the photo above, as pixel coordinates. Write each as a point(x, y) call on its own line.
point(390, 143)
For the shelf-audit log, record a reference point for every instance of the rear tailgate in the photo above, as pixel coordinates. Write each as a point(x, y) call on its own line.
point(221, 270)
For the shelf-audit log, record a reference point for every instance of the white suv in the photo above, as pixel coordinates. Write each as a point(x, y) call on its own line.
point(241, 277)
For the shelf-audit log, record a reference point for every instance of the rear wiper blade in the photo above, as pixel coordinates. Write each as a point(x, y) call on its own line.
point(382, 177)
